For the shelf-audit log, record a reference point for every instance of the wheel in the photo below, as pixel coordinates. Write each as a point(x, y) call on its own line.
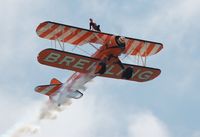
point(127, 73)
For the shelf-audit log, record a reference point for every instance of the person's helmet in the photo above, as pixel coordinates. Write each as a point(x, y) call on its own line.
point(121, 40)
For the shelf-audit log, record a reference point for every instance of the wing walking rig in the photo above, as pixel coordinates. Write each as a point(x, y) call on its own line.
point(104, 62)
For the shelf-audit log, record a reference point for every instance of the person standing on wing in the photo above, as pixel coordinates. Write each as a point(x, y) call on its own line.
point(94, 26)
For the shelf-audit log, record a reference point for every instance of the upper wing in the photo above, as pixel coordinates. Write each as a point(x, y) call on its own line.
point(79, 36)
point(83, 64)
point(70, 34)
point(141, 47)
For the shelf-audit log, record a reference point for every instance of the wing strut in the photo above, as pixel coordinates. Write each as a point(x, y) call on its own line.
point(139, 56)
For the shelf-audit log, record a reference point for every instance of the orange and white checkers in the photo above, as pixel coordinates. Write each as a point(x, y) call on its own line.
point(79, 36)
point(48, 89)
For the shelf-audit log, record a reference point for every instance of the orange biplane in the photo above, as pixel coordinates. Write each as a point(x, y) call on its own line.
point(104, 62)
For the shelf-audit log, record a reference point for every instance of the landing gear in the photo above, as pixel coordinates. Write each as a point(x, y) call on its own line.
point(127, 73)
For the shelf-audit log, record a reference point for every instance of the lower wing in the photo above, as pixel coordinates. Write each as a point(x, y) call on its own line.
point(84, 64)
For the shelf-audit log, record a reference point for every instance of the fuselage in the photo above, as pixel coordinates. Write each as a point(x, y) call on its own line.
point(78, 80)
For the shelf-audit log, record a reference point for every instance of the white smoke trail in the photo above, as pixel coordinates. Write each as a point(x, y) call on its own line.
point(48, 111)
point(20, 130)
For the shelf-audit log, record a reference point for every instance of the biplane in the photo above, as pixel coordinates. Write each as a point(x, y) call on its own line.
point(105, 61)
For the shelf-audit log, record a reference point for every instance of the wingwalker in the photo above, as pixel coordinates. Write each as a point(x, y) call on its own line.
point(105, 61)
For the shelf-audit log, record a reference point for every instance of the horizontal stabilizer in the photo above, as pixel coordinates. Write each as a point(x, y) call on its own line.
point(48, 89)
point(75, 94)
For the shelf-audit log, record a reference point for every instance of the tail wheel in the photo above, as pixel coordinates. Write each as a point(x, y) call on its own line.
point(127, 73)
point(101, 68)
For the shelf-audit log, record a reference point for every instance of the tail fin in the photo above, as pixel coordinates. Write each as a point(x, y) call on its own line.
point(55, 81)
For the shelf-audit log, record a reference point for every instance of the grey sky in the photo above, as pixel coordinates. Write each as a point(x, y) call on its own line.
point(165, 107)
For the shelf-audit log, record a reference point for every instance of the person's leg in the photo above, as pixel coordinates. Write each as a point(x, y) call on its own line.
point(98, 28)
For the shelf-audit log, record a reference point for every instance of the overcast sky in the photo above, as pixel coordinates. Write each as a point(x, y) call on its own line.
point(165, 107)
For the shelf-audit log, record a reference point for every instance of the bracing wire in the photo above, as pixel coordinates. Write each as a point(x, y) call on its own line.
point(93, 46)
point(84, 51)
point(61, 46)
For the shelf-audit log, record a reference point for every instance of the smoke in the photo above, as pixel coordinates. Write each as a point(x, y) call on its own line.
point(20, 130)
point(48, 111)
